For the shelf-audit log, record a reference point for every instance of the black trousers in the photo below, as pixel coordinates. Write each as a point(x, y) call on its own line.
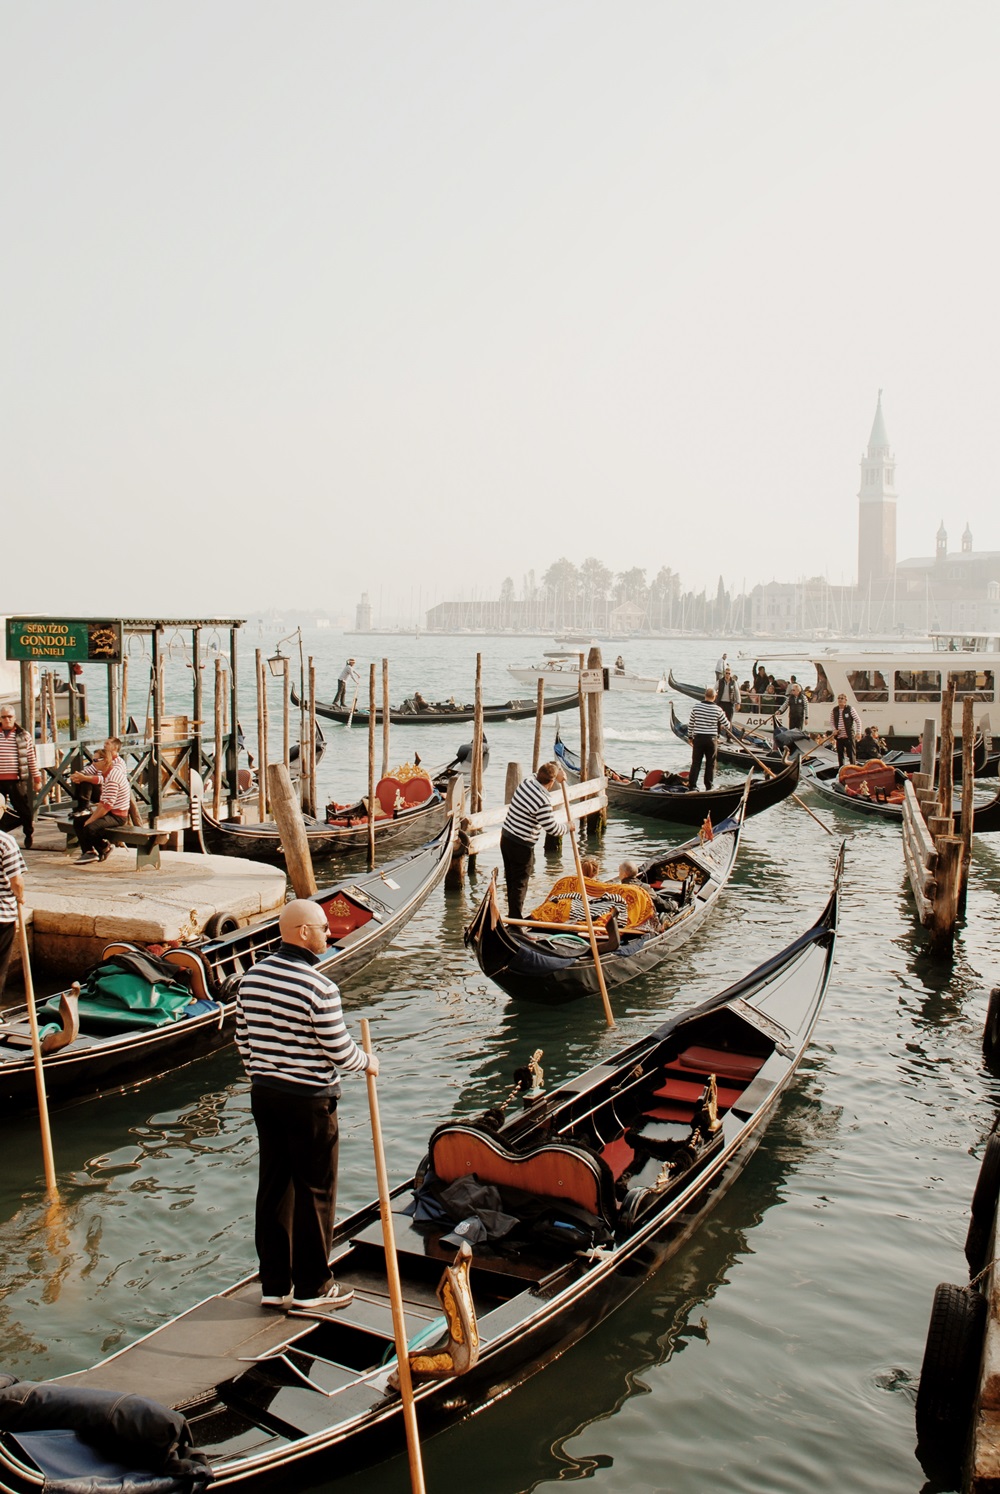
point(296, 1190)
point(95, 836)
point(7, 932)
point(727, 706)
point(20, 806)
point(703, 749)
point(846, 747)
point(518, 860)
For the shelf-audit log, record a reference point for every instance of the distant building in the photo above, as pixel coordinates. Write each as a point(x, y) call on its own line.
point(363, 615)
point(877, 507)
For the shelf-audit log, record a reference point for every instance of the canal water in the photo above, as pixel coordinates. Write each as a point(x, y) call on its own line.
point(780, 1349)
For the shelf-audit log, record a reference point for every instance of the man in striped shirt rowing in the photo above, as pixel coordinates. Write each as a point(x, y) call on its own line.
point(528, 813)
point(704, 724)
point(292, 1039)
point(110, 812)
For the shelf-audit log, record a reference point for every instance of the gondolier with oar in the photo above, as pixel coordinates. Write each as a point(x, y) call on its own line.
point(707, 719)
point(292, 1039)
point(347, 676)
point(528, 813)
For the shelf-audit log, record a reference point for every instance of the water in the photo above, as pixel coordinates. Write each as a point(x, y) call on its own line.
point(780, 1349)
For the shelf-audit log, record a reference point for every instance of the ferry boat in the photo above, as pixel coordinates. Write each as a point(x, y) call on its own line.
point(563, 669)
point(896, 692)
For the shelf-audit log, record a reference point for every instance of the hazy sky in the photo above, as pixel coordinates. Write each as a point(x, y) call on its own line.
point(311, 298)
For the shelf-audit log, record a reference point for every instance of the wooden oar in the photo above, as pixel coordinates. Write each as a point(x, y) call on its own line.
point(825, 743)
point(609, 1016)
point(350, 714)
point(392, 1276)
point(36, 1053)
point(771, 774)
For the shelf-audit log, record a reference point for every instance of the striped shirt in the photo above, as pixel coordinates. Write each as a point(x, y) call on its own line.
point(705, 719)
point(115, 792)
point(11, 766)
point(289, 1024)
point(530, 811)
point(11, 865)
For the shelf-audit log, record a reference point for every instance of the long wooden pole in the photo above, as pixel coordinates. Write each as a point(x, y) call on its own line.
point(294, 840)
point(36, 1053)
point(968, 795)
point(772, 774)
point(123, 717)
point(609, 1016)
point(311, 733)
point(476, 785)
point(946, 771)
point(385, 718)
point(371, 766)
point(583, 722)
point(261, 765)
point(392, 1278)
point(220, 687)
point(286, 712)
point(536, 751)
point(265, 675)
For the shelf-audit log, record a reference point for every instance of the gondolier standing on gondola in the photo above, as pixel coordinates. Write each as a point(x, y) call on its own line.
point(292, 1039)
point(845, 723)
point(12, 870)
point(528, 813)
point(707, 719)
point(347, 676)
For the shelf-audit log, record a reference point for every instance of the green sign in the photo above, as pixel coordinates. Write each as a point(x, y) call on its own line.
point(55, 638)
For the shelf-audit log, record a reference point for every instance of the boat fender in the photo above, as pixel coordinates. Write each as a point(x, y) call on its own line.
point(984, 1205)
point(950, 1366)
point(991, 1031)
point(221, 923)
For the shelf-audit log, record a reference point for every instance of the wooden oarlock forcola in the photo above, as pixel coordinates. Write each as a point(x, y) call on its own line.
point(609, 1015)
point(392, 1278)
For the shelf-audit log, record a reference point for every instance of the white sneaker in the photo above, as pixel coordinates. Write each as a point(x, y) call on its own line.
point(334, 1296)
point(279, 1302)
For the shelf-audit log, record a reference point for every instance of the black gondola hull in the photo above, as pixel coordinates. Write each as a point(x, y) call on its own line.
point(511, 710)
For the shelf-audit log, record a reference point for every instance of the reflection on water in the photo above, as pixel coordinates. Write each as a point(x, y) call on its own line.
point(779, 1349)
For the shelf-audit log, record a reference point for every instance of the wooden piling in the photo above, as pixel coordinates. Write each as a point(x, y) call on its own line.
point(476, 794)
point(294, 841)
point(928, 749)
point(583, 719)
point(514, 776)
point(454, 879)
point(944, 911)
point(371, 766)
point(946, 768)
point(968, 797)
point(594, 762)
point(536, 752)
point(261, 748)
point(220, 702)
point(286, 714)
point(385, 718)
point(311, 803)
point(123, 699)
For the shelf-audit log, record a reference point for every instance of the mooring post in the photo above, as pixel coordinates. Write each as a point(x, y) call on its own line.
point(385, 718)
point(514, 776)
point(968, 792)
point(454, 878)
point(371, 767)
point(946, 770)
point(945, 906)
point(928, 750)
point(595, 725)
point(582, 703)
point(261, 743)
point(536, 754)
point(217, 761)
point(294, 841)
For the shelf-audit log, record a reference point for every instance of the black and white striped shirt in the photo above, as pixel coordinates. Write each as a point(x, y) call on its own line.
point(705, 719)
point(529, 812)
point(11, 865)
point(289, 1024)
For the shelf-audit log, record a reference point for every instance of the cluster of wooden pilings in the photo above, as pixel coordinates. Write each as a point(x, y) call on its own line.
point(937, 860)
point(479, 828)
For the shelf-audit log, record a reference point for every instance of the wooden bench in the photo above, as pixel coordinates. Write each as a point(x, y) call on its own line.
point(147, 842)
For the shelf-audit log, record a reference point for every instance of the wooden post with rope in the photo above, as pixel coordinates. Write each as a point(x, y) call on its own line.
point(392, 1271)
point(609, 1016)
point(536, 752)
point(371, 766)
point(36, 1053)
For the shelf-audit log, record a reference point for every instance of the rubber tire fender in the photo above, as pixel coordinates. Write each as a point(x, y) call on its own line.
point(950, 1368)
point(221, 923)
point(991, 1030)
point(984, 1205)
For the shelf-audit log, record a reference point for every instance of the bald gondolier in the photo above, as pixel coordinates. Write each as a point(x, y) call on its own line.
point(347, 676)
point(292, 1039)
point(705, 722)
point(19, 775)
point(528, 814)
point(12, 869)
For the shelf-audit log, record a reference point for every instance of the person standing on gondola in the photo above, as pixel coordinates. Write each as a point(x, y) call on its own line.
point(798, 708)
point(704, 724)
point(347, 676)
point(845, 723)
point(19, 774)
point(12, 870)
point(728, 694)
point(292, 1040)
point(528, 813)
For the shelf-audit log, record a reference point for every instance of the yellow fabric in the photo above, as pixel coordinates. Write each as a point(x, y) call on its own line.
point(637, 899)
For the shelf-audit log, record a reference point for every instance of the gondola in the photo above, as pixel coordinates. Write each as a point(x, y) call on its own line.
point(753, 705)
point(121, 1044)
point(343, 833)
point(640, 793)
point(603, 1180)
point(440, 713)
point(550, 965)
point(875, 804)
point(985, 762)
point(762, 749)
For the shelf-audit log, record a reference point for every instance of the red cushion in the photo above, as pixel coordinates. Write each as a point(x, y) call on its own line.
point(670, 1113)
point(654, 776)
point(416, 790)
point(344, 917)
point(718, 1061)
point(691, 1090)
point(618, 1155)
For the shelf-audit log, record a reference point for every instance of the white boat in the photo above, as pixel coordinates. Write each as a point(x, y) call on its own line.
point(897, 691)
point(563, 669)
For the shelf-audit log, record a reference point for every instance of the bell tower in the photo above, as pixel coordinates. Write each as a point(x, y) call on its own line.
point(877, 507)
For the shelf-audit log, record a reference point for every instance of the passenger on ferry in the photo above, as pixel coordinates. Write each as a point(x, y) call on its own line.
point(798, 708)
point(845, 723)
point(728, 694)
point(619, 665)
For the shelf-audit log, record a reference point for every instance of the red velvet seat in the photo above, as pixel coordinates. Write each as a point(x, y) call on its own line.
point(618, 1155)
point(653, 777)
point(417, 790)
point(343, 917)
point(717, 1061)
point(690, 1091)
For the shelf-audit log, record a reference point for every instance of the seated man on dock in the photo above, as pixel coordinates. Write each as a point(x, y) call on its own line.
point(111, 811)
